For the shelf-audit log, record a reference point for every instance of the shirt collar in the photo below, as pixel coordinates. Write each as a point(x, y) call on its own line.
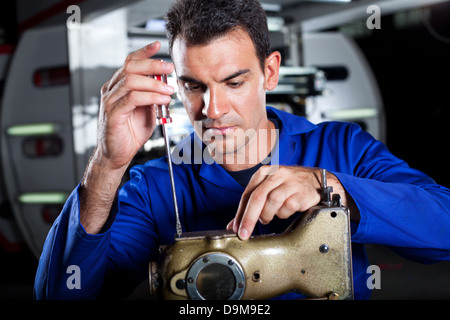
point(290, 125)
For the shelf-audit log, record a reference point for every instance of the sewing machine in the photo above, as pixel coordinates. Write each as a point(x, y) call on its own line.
point(312, 257)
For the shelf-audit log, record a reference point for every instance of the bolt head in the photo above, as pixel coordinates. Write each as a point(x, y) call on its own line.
point(324, 248)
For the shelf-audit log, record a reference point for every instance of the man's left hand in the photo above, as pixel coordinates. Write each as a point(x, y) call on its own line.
point(281, 193)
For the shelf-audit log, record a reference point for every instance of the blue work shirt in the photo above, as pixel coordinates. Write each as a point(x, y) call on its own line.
point(400, 207)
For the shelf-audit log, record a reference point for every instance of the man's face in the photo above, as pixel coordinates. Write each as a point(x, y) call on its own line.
point(222, 86)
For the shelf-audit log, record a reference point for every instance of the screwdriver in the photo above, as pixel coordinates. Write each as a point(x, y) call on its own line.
point(162, 118)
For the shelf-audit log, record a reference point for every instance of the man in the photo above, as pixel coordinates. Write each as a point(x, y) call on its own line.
point(222, 59)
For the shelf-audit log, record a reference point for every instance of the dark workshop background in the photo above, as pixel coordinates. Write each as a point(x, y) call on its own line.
point(412, 68)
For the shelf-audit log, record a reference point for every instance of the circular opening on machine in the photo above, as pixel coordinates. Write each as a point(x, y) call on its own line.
point(215, 276)
point(216, 282)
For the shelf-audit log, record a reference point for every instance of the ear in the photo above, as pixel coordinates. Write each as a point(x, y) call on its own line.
point(272, 70)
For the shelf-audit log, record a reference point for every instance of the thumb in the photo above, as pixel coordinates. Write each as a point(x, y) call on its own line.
point(230, 225)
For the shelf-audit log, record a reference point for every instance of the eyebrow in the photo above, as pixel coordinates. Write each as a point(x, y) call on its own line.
point(236, 74)
point(228, 78)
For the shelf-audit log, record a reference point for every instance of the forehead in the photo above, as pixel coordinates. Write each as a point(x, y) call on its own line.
point(233, 51)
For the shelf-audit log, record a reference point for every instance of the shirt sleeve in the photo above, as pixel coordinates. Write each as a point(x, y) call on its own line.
point(400, 207)
point(78, 265)
point(72, 263)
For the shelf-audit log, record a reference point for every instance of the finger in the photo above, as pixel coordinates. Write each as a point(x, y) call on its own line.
point(254, 182)
point(134, 82)
point(145, 52)
point(145, 67)
point(254, 208)
point(274, 203)
point(289, 207)
point(141, 54)
point(105, 87)
point(230, 225)
point(135, 99)
point(240, 212)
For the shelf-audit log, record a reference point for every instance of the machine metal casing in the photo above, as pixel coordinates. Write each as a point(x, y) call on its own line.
point(312, 257)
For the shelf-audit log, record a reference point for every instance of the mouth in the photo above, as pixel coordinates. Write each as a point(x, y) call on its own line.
point(222, 130)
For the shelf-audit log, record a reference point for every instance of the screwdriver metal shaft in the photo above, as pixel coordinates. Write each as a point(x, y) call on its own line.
point(162, 118)
point(172, 180)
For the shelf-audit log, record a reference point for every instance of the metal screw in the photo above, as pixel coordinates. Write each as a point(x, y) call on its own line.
point(181, 284)
point(324, 248)
point(230, 262)
point(206, 259)
point(190, 280)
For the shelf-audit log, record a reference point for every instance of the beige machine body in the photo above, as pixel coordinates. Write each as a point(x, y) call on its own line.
point(312, 257)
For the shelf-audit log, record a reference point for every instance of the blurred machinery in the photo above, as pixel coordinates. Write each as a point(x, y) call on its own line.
point(52, 87)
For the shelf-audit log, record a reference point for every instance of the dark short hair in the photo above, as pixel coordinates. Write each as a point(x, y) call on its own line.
point(202, 21)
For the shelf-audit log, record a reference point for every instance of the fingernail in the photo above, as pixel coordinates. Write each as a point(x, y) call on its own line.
point(243, 233)
point(153, 44)
point(166, 99)
point(167, 66)
point(168, 89)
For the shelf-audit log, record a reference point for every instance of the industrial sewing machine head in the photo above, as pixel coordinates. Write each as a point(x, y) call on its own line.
point(312, 257)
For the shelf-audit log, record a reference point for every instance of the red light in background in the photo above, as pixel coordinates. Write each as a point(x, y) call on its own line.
point(50, 77)
point(46, 146)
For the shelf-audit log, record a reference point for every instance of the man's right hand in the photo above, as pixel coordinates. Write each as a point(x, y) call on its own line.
point(127, 120)
point(127, 117)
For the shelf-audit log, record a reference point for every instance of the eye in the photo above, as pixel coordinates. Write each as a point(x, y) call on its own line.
point(192, 87)
point(235, 84)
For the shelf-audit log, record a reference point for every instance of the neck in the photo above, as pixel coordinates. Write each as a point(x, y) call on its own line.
point(253, 152)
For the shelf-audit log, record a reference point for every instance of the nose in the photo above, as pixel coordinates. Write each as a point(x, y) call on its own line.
point(216, 103)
